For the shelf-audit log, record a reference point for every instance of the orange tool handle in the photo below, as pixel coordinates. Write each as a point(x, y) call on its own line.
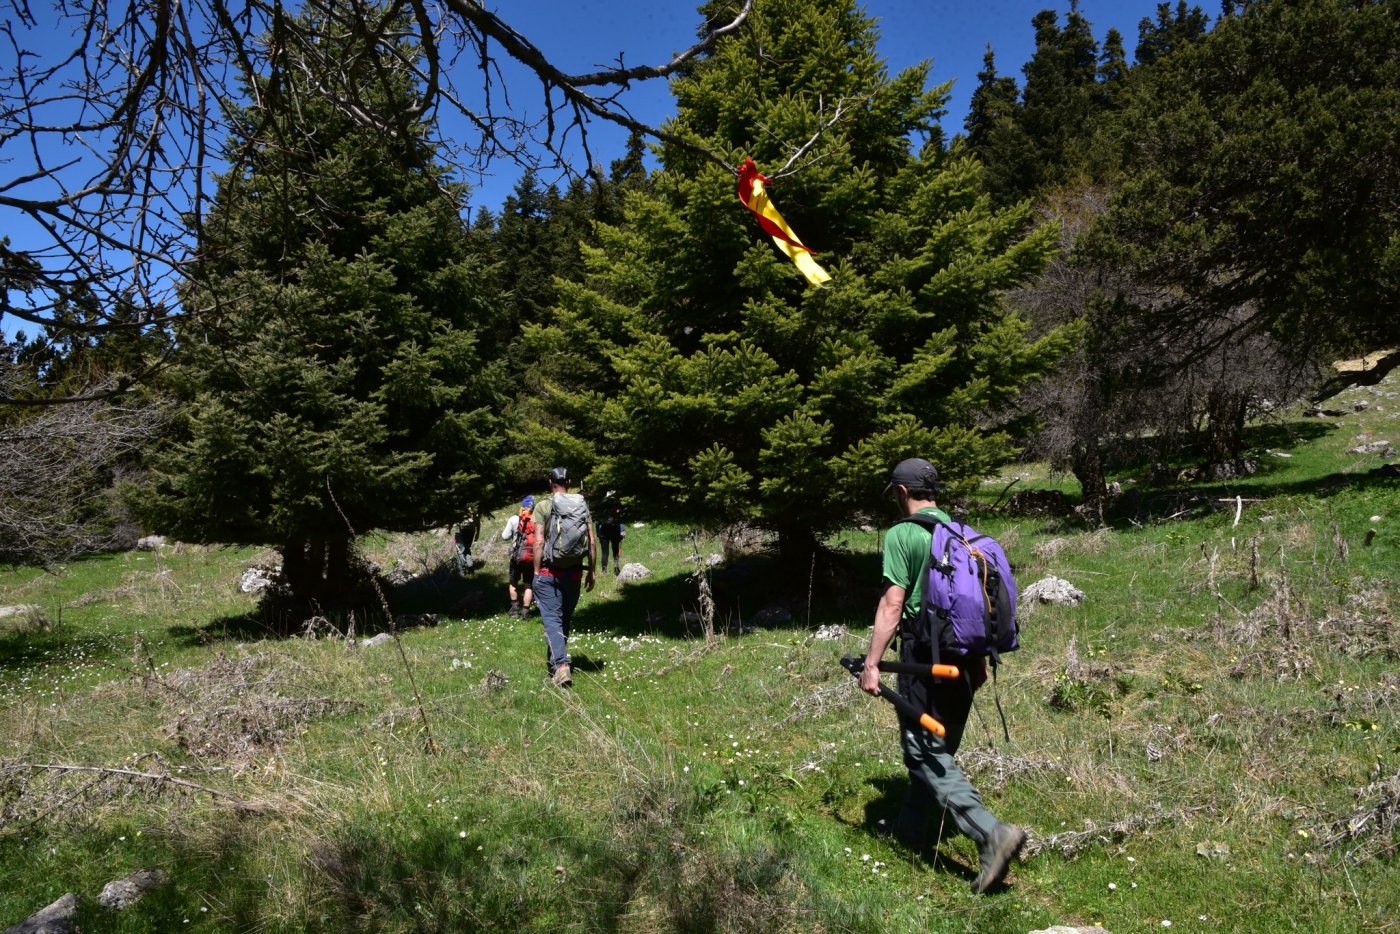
point(900, 702)
point(932, 725)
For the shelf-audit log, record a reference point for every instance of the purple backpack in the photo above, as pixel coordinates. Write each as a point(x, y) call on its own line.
point(969, 595)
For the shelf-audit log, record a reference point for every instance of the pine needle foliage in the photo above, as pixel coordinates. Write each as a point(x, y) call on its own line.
point(694, 367)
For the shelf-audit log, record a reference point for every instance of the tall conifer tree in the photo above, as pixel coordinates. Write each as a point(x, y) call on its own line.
point(730, 390)
point(343, 375)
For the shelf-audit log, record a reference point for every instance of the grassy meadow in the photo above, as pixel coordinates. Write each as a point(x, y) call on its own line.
point(1210, 739)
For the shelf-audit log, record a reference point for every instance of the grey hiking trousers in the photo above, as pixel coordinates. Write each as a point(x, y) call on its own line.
point(936, 782)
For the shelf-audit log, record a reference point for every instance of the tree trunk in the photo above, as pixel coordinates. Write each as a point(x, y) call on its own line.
point(317, 572)
point(798, 560)
point(1087, 465)
point(1224, 431)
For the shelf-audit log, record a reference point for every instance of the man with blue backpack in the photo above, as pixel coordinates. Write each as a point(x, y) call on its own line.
point(949, 594)
point(565, 553)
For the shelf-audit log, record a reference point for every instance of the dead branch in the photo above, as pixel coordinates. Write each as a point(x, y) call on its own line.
point(1071, 843)
point(155, 779)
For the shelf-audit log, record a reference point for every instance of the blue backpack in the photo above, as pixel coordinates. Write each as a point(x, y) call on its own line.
point(969, 595)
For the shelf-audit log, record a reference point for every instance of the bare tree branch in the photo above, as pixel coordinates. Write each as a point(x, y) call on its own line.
point(107, 141)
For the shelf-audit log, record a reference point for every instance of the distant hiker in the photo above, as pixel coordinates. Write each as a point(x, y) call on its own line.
point(565, 552)
point(464, 538)
point(934, 778)
point(611, 531)
point(520, 532)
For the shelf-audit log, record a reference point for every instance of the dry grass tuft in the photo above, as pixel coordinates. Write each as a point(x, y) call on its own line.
point(25, 618)
point(1286, 662)
point(993, 769)
point(1370, 831)
point(1092, 543)
point(1364, 628)
point(240, 708)
point(821, 701)
point(493, 682)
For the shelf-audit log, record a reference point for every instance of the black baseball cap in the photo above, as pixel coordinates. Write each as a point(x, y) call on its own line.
point(914, 474)
point(559, 475)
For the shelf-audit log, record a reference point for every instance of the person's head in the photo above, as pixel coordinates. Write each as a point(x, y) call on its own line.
point(527, 503)
point(913, 484)
point(559, 478)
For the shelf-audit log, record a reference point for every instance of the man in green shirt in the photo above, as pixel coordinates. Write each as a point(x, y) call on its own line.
point(934, 778)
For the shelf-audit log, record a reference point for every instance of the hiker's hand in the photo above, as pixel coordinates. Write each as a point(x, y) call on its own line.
point(588, 580)
point(870, 680)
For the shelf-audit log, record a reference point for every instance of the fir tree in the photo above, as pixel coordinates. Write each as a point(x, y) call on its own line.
point(342, 375)
point(729, 391)
point(1172, 31)
point(1262, 179)
point(994, 132)
point(1113, 71)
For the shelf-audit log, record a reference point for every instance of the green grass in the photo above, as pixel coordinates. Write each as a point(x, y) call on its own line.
point(1184, 745)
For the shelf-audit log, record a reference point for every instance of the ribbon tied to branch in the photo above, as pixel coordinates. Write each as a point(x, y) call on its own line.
point(755, 197)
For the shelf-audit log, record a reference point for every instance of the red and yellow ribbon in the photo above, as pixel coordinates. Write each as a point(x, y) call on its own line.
point(755, 198)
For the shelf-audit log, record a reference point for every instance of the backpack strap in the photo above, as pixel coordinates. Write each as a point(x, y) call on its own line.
point(931, 523)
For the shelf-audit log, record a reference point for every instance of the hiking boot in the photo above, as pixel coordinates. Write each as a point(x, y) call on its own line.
point(563, 676)
point(996, 854)
point(616, 571)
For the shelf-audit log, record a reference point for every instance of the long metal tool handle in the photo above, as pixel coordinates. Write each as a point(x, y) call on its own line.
point(900, 702)
point(948, 672)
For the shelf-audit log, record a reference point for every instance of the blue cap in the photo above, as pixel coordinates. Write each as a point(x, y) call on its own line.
point(527, 503)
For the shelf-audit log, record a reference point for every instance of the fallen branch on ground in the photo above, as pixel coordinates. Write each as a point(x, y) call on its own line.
point(1071, 843)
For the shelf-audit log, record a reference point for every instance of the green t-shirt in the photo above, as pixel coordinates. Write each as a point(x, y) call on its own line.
point(906, 549)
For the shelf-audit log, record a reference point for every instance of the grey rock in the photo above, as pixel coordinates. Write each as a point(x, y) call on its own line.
point(1053, 590)
point(632, 572)
point(373, 642)
point(150, 543)
point(256, 580)
point(412, 620)
point(832, 633)
point(1069, 929)
point(632, 646)
point(122, 893)
point(1374, 447)
point(1360, 405)
point(59, 918)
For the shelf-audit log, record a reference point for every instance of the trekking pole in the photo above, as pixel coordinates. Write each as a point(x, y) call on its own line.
point(899, 701)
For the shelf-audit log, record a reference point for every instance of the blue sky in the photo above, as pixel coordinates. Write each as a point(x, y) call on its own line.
point(583, 34)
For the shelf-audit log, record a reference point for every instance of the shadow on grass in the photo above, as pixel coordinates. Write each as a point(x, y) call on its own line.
point(880, 813)
point(441, 592)
point(1136, 456)
point(31, 650)
point(752, 590)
